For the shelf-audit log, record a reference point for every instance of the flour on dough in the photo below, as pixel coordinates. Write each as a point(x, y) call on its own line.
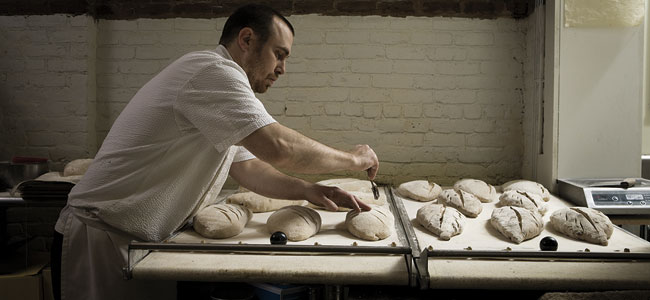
point(359, 188)
point(421, 190)
point(297, 222)
point(516, 223)
point(443, 221)
point(523, 199)
point(221, 221)
point(372, 225)
point(77, 167)
point(484, 191)
point(258, 203)
point(583, 223)
point(527, 186)
point(466, 203)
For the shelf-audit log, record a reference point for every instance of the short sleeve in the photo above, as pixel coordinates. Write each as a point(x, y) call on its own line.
point(242, 155)
point(220, 103)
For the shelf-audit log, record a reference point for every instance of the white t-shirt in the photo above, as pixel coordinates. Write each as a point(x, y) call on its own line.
point(170, 146)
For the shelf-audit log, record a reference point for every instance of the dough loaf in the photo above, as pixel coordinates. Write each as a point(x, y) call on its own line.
point(360, 188)
point(523, 199)
point(349, 184)
point(421, 190)
point(297, 222)
point(516, 223)
point(485, 192)
point(258, 203)
point(466, 203)
point(583, 223)
point(77, 167)
point(372, 225)
point(443, 221)
point(221, 221)
point(527, 186)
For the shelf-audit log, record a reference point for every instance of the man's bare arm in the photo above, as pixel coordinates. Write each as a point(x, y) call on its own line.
point(287, 149)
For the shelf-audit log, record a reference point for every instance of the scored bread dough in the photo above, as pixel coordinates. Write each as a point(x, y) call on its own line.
point(466, 203)
point(421, 190)
point(527, 186)
point(360, 188)
point(479, 188)
point(297, 222)
point(516, 223)
point(258, 203)
point(443, 221)
point(372, 225)
point(77, 167)
point(523, 199)
point(583, 223)
point(222, 220)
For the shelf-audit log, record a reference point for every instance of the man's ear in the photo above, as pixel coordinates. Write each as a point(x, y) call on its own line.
point(244, 39)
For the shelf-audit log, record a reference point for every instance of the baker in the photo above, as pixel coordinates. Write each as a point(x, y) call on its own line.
point(180, 136)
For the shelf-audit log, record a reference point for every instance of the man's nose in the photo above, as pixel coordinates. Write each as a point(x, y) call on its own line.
point(280, 68)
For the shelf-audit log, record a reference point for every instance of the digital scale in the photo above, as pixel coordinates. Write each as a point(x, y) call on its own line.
point(612, 196)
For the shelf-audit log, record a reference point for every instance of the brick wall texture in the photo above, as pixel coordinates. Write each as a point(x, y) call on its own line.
point(437, 98)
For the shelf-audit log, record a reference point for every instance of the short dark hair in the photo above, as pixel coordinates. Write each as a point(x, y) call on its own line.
point(256, 16)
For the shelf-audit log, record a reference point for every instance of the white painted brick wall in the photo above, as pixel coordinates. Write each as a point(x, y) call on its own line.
point(46, 66)
point(437, 98)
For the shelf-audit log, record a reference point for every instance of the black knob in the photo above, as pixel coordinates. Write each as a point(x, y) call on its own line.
point(278, 238)
point(548, 243)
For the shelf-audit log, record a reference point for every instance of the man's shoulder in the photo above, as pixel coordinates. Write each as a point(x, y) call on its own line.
point(210, 59)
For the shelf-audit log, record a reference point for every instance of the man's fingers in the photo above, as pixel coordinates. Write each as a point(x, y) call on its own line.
point(330, 205)
point(355, 203)
point(372, 173)
point(363, 206)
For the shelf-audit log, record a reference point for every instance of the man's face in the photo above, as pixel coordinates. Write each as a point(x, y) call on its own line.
point(266, 62)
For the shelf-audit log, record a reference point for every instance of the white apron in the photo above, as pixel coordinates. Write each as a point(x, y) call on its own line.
point(93, 256)
point(91, 266)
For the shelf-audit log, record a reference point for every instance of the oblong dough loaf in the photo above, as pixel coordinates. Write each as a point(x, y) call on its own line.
point(258, 203)
point(222, 220)
point(466, 203)
point(77, 167)
point(297, 222)
point(523, 199)
point(527, 186)
point(421, 190)
point(443, 221)
point(372, 225)
point(349, 184)
point(583, 223)
point(479, 188)
point(516, 223)
point(360, 188)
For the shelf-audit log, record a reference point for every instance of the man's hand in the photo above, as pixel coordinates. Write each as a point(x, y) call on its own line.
point(332, 197)
point(366, 160)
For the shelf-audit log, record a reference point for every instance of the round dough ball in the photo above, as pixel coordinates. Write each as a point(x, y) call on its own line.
point(297, 222)
point(523, 199)
point(222, 220)
point(479, 188)
point(527, 186)
point(372, 225)
point(421, 190)
point(77, 167)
